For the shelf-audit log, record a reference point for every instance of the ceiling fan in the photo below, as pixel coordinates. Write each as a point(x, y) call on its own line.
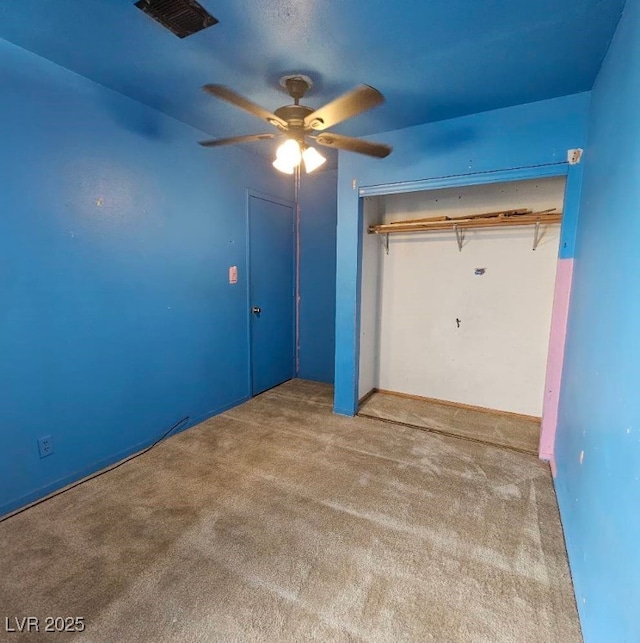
point(297, 123)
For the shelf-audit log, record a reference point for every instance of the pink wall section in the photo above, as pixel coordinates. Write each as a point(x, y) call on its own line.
point(553, 377)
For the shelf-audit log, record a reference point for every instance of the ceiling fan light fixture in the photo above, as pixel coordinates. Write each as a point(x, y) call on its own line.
point(289, 152)
point(283, 166)
point(312, 159)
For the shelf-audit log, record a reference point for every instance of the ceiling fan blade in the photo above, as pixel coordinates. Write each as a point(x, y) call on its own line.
point(220, 91)
point(355, 102)
point(350, 144)
point(217, 142)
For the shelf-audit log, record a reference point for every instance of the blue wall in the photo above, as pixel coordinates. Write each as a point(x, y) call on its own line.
point(527, 135)
point(599, 417)
point(318, 212)
point(116, 234)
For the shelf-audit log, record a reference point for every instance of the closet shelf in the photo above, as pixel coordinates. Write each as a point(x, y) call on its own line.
point(484, 220)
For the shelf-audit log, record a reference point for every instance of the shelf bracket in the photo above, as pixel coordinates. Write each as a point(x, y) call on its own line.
point(385, 241)
point(536, 235)
point(459, 237)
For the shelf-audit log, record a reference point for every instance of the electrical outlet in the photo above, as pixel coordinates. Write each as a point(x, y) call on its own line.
point(45, 446)
point(574, 156)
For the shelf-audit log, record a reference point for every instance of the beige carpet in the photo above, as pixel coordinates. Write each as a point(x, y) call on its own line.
point(513, 432)
point(278, 521)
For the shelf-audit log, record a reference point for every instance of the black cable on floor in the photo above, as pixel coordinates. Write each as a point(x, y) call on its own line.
point(99, 473)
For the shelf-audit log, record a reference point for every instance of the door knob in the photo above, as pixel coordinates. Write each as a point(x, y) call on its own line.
point(256, 310)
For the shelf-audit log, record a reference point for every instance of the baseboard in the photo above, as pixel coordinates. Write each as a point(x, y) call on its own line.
point(216, 411)
point(314, 378)
point(77, 477)
point(342, 411)
point(460, 405)
point(82, 475)
point(571, 551)
point(365, 397)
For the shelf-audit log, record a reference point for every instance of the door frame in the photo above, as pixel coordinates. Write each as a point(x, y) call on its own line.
point(250, 192)
point(562, 288)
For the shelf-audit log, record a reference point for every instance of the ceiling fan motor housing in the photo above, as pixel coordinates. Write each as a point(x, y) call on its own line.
point(297, 85)
point(294, 115)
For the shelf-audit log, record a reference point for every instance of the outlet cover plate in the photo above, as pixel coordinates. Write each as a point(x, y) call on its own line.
point(45, 446)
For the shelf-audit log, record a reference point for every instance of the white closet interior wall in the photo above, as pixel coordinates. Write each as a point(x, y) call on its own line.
point(431, 326)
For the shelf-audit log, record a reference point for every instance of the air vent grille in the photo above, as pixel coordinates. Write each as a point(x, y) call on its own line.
point(181, 17)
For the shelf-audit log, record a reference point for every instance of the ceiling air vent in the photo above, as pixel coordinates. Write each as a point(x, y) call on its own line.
point(181, 17)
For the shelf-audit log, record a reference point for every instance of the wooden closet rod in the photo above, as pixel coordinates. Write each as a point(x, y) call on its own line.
point(504, 213)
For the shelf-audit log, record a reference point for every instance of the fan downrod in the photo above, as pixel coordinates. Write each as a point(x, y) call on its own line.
point(297, 85)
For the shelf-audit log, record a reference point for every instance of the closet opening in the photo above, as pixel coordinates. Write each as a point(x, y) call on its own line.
point(457, 293)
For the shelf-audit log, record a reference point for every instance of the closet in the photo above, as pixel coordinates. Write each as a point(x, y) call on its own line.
point(456, 300)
